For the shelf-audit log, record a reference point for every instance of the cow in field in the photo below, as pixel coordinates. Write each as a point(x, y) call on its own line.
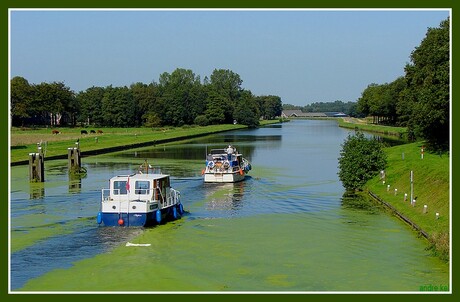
point(92, 132)
point(83, 132)
point(55, 132)
point(99, 132)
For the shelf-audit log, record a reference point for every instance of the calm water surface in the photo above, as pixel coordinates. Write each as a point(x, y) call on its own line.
point(285, 228)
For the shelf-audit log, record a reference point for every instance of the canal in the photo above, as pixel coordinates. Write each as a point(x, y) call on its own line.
point(287, 227)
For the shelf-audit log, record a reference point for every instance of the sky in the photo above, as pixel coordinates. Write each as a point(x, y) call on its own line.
point(303, 56)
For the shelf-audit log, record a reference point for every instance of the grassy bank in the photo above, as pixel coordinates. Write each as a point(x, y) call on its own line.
point(24, 141)
point(362, 124)
point(430, 187)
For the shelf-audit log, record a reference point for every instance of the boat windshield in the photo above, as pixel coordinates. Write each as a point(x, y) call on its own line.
point(142, 187)
point(218, 151)
point(119, 187)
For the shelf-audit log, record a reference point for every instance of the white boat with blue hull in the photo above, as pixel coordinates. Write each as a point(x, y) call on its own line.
point(139, 200)
point(225, 165)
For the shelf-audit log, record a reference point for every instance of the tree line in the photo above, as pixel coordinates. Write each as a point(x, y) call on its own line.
point(179, 98)
point(349, 108)
point(420, 99)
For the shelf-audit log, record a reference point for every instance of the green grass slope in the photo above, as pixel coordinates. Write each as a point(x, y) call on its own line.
point(430, 187)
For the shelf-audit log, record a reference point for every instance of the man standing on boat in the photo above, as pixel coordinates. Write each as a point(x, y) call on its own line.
point(229, 153)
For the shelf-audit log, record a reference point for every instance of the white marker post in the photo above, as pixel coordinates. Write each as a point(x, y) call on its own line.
point(396, 191)
point(411, 185)
point(405, 196)
point(425, 208)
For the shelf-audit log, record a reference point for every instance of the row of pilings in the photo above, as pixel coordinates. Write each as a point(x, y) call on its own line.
point(37, 163)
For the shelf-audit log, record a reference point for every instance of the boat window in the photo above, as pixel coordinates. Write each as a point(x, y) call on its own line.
point(142, 187)
point(119, 187)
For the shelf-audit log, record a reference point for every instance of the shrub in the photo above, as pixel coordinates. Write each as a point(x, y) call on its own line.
point(360, 160)
point(201, 120)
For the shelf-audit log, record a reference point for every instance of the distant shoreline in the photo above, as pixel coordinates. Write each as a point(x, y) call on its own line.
point(112, 142)
point(355, 123)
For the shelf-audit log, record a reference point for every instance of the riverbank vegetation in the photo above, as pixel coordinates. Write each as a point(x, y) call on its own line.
point(179, 98)
point(364, 125)
point(430, 188)
point(360, 159)
point(24, 141)
point(419, 100)
point(422, 201)
point(349, 108)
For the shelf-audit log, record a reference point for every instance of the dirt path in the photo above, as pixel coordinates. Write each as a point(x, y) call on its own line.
point(354, 120)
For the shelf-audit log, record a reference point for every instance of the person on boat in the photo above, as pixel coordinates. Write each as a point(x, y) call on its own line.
point(229, 152)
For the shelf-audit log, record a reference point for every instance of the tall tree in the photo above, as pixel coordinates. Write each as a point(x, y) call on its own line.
point(145, 97)
point(22, 94)
point(368, 102)
point(215, 111)
point(180, 93)
point(427, 78)
point(226, 84)
point(270, 106)
point(247, 110)
point(91, 106)
point(391, 96)
point(118, 108)
point(58, 106)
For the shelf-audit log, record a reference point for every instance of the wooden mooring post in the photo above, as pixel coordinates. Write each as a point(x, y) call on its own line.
point(37, 166)
point(74, 158)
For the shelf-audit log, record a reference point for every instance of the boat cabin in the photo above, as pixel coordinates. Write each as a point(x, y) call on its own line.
point(140, 188)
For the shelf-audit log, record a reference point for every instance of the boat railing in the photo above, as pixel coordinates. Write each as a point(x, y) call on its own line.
point(174, 197)
point(142, 191)
point(110, 194)
point(224, 168)
point(160, 195)
point(142, 195)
